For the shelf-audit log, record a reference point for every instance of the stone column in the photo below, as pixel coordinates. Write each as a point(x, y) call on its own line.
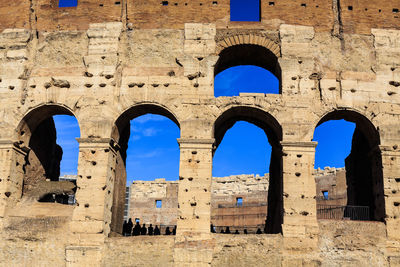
point(193, 243)
point(12, 160)
point(300, 227)
point(391, 181)
point(92, 215)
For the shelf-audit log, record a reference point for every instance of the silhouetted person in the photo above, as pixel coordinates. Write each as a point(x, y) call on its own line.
point(124, 228)
point(258, 231)
point(143, 231)
point(227, 231)
point(129, 227)
point(222, 231)
point(136, 229)
point(167, 231)
point(156, 230)
point(236, 232)
point(174, 230)
point(245, 231)
point(212, 228)
point(150, 229)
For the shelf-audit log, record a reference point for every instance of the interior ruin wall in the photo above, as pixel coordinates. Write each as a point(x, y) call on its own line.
point(106, 63)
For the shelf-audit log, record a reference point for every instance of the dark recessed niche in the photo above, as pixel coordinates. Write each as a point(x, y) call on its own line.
point(101, 5)
point(175, 4)
point(395, 10)
point(215, 3)
point(271, 3)
point(350, 8)
point(117, 3)
point(164, 3)
point(303, 5)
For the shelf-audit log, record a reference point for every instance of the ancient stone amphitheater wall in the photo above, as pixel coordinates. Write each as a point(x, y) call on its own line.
point(108, 62)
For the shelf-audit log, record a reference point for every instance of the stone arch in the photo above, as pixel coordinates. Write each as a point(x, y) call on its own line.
point(364, 174)
point(34, 116)
point(249, 49)
point(36, 134)
point(248, 38)
point(138, 110)
point(120, 134)
point(273, 130)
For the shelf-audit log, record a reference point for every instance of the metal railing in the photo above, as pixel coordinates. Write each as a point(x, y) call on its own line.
point(355, 213)
point(243, 205)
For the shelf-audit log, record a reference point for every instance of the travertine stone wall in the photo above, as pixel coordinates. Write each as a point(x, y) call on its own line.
point(109, 67)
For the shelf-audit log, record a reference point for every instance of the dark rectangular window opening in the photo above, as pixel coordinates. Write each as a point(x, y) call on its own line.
point(395, 10)
point(239, 202)
point(67, 3)
point(271, 3)
point(350, 8)
point(158, 204)
point(164, 3)
point(249, 10)
point(325, 194)
point(303, 5)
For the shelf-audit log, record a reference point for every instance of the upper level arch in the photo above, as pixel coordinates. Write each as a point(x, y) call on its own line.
point(248, 50)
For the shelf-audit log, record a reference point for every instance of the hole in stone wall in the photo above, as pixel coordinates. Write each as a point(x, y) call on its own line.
point(271, 3)
point(67, 3)
point(395, 10)
point(252, 8)
point(164, 3)
point(303, 5)
point(350, 8)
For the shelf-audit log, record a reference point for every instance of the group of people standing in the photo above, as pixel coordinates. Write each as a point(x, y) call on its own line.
point(129, 230)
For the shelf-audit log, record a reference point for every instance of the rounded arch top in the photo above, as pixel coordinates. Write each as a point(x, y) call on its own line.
point(362, 123)
point(252, 39)
point(253, 115)
point(135, 111)
point(250, 49)
point(36, 115)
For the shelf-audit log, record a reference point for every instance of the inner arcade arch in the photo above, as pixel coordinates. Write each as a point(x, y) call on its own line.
point(37, 135)
point(364, 174)
point(121, 134)
point(273, 131)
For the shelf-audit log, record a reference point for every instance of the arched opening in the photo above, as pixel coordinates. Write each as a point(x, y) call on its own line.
point(357, 192)
point(237, 68)
point(48, 135)
point(146, 187)
point(236, 189)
